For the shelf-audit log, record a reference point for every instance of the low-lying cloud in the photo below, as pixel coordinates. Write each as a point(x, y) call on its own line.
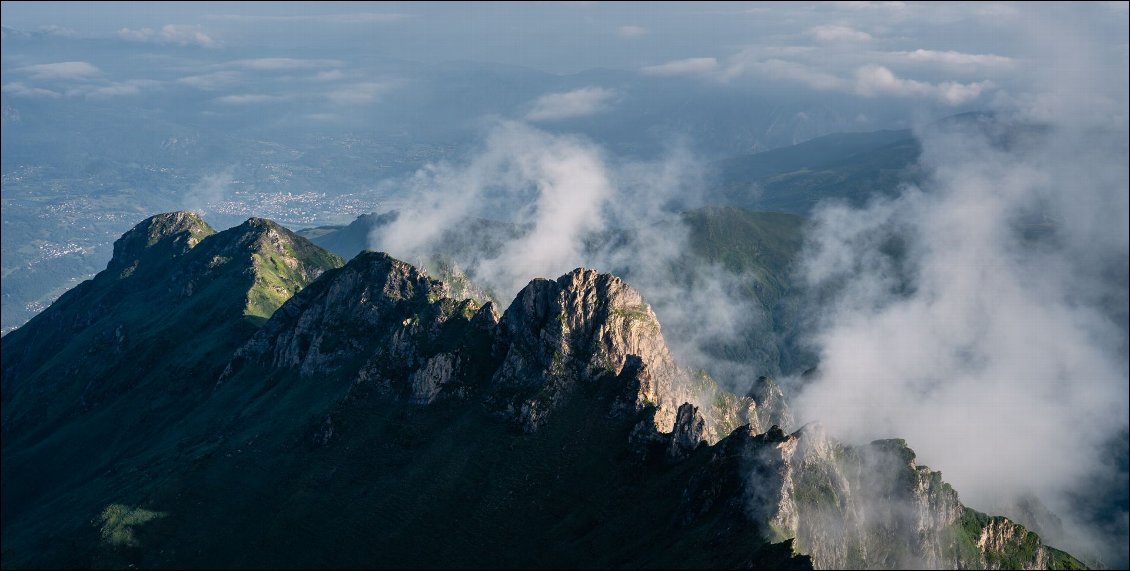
point(171, 34)
point(832, 33)
point(874, 80)
point(20, 89)
point(631, 32)
point(341, 18)
point(571, 104)
point(250, 99)
point(281, 64)
point(361, 93)
point(982, 315)
point(61, 70)
point(209, 190)
point(688, 66)
point(564, 203)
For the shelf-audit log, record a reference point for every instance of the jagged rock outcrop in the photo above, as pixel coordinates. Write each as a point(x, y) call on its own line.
point(393, 327)
point(687, 434)
point(866, 507)
point(382, 323)
point(584, 327)
point(767, 406)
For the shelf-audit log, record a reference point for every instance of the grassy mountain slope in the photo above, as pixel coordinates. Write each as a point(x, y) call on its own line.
point(122, 357)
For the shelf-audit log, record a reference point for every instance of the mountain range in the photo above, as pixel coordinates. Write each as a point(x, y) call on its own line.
point(246, 398)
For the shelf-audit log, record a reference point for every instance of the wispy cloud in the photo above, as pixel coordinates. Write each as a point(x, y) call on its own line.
point(281, 64)
point(61, 70)
point(850, 5)
point(211, 81)
point(18, 89)
point(688, 66)
point(875, 80)
point(577, 103)
point(783, 70)
point(250, 99)
point(171, 34)
point(360, 93)
point(957, 59)
point(838, 34)
point(630, 32)
point(346, 18)
point(330, 75)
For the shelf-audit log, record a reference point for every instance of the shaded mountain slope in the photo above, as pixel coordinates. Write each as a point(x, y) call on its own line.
point(375, 421)
point(121, 357)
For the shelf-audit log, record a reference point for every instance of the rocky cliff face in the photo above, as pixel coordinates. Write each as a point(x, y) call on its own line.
point(383, 322)
point(863, 507)
point(586, 327)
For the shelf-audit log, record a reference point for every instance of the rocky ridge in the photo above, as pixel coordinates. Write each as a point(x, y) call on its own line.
point(393, 329)
point(376, 358)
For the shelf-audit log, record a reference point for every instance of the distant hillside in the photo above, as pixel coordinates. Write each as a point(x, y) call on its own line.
point(845, 166)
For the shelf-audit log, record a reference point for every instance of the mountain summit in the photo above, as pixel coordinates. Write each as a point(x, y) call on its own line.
point(243, 399)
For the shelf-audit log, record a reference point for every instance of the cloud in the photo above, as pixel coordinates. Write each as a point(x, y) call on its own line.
point(838, 34)
point(18, 89)
point(61, 70)
point(1001, 356)
point(211, 189)
point(870, 80)
point(249, 99)
point(689, 66)
point(115, 88)
point(348, 18)
point(171, 34)
point(856, 5)
point(59, 31)
point(631, 32)
point(281, 64)
point(211, 81)
point(783, 70)
point(562, 199)
point(873, 80)
point(981, 314)
point(571, 104)
point(330, 75)
point(955, 59)
point(359, 93)
point(555, 184)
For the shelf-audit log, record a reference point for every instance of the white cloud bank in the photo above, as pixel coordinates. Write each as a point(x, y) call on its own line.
point(571, 104)
point(171, 34)
point(61, 70)
point(688, 66)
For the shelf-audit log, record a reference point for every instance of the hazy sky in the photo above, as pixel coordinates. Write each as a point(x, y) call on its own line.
point(948, 52)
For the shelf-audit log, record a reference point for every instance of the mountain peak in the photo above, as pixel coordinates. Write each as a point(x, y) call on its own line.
point(169, 234)
point(281, 262)
point(587, 327)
